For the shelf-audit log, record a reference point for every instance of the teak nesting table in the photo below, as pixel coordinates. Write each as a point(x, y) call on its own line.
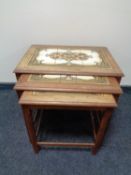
point(68, 77)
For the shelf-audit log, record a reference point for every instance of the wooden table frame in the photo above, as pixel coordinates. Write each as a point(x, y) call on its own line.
point(99, 136)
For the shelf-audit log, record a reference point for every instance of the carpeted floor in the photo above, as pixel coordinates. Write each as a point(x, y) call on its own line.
point(18, 158)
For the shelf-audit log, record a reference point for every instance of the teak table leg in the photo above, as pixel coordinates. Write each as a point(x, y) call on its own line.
point(101, 131)
point(30, 128)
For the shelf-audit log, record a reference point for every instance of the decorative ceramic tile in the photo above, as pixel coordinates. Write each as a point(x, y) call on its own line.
point(68, 57)
point(69, 79)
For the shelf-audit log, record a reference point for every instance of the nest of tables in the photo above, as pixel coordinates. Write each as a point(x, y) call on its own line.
point(67, 78)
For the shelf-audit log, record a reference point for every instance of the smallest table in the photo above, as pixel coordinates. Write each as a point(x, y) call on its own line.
point(99, 105)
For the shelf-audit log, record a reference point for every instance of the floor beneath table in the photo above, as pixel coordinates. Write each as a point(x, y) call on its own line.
point(17, 157)
point(66, 126)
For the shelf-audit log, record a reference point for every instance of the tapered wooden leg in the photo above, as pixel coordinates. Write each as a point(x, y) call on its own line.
point(30, 128)
point(101, 131)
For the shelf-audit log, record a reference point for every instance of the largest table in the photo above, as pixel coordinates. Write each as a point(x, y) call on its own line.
point(68, 77)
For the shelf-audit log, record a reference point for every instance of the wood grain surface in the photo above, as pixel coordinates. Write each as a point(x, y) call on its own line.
point(67, 99)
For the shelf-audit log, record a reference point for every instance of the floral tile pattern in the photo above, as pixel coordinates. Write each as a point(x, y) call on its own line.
point(68, 57)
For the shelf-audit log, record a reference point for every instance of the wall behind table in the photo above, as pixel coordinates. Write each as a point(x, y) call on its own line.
point(68, 22)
